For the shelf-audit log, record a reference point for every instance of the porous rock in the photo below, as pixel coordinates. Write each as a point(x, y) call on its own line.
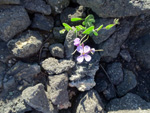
point(9, 1)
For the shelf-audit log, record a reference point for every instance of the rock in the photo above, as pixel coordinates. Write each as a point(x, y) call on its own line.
point(57, 90)
point(57, 50)
point(125, 55)
point(54, 66)
point(82, 75)
point(89, 102)
point(9, 1)
point(110, 92)
point(5, 54)
point(112, 45)
point(36, 98)
point(26, 44)
point(101, 85)
point(38, 6)
point(129, 82)
point(68, 44)
point(103, 34)
point(118, 8)
point(57, 35)
point(70, 12)
point(2, 72)
point(16, 20)
point(115, 72)
point(130, 103)
point(141, 49)
point(43, 23)
point(58, 5)
point(24, 71)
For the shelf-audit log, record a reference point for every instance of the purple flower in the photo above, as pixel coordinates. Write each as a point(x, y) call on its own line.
point(77, 41)
point(83, 50)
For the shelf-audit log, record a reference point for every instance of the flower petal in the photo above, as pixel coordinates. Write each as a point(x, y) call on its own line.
point(80, 49)
point(93, 50)
point(87, 49)
point(87, 57)
point(77, 41)
point(80, 58)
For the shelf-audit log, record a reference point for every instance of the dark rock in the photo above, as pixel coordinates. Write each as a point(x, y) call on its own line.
point(89, 102)
point(57, 35)
point(110, 92)
point(37, 6)
point(129, 82)
point(57, 90)
point(115, 72)
point(58, 5)
point(36, 98)
point(2, 72)
point(24, 71)
point(57, 50)
point(68, 44)
point(82, 75)
point(118, 8)
point(16, 20)
point(125, 55)
point(9, 1)
point(43, 23)
point(103, 34)
point(130, 103)
point(70, 12)
point(26, 44)
point(54, 66)
point(101, 85)
point(141, 49)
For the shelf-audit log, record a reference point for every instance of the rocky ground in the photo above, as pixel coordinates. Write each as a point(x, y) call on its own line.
point(38, 74)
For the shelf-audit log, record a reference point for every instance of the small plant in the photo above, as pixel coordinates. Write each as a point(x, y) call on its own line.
point(88, 29)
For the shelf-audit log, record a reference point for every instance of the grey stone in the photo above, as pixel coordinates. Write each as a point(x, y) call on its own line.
point(57, 90)
point(24, 71)
point(130, 103)
point(83, 74)
point(9, 1)
point(68, 44)
point(43, 23)
point(26, 44)
point(58, 5)
point(125, 55)
point(118, 8)
point(115, 72)
point(54, 66)
point(57, 50)
point(13, 20)
point(89, 102)
point(129, 82)
point(36, 98)
point(101, 85)
point(2, 72)
point(103, 34)
point(37, 6)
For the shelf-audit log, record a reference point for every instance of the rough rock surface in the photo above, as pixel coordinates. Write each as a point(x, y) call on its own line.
point(89, 102)
point(125, 55)
point(115, 72)
point(43, 23)
point(58, 5)
point(129, 82)
point(57, 50)
point(26, 44)
point(9, 1)
point(54, 66)
point(120, 8)
point(57, 90)
point(37, 6)
point(130, 103)
point(13, 19)
point(83, 74)
point(36, 97)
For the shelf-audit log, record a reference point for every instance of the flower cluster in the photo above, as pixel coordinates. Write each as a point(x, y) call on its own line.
point(83, 50)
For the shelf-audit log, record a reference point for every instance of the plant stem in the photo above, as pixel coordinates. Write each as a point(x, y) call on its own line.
point(85, 40)
point(99, 50)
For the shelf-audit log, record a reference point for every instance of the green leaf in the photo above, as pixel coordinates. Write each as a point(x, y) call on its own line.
point(76, 19)
point(99, 28)
point(62, 31)
point(67, 27)
point(89, 30)
point(80, 27)
point(116, 21)
point(95, 33)
point(109, 26)
point(89, 20)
